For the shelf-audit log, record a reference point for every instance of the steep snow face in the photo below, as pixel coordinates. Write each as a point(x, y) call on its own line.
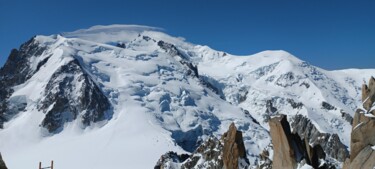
point(163, 94)
point(157, 99)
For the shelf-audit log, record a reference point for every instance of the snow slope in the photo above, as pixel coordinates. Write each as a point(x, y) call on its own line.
point(159, 105)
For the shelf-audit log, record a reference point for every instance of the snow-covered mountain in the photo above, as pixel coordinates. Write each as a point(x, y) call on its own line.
point(122, 95)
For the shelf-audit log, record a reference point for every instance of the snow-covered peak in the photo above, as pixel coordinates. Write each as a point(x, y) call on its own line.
point(165, 93)
point(275, 56)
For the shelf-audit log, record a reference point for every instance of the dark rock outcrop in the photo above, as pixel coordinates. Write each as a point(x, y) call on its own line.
point(346, 116)
point(69, 94)
point(265, 161)
point(170, 157)
point(295, 105)
point(15, 71)
point(270, 111)
point(290, 150)
point(228, 153)
point(72, 93)
point(330, 143)
point(2, 163)
point(327, 106)
point(184, 60)
point(210, 151)
point(363, 136)
point(121, 45)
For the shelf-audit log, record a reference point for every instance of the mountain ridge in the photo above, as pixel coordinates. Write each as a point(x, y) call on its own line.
point(177, 92)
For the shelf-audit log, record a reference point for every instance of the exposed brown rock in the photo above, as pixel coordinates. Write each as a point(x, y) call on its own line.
point(227, 153)
point(234, 148)
point(284, 156)
point(365, 92)
point(330, 143)
point(368, 94)
point(363, 132)
point(346, 164)
point(290, 150)
point(2, 164)
point(364, 160)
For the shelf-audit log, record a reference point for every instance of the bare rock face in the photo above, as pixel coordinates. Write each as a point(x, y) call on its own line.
point(284, 154)
point(15, 71)
point(227, 153)
point(363, 132)
point(234, 148)
point(368, 94)
point(365, 159)
point(168, 160)
point(210, 151)
point(330, 143)
point(264, 160)
point(73, 94)
point(290, 151)
point(2, 164)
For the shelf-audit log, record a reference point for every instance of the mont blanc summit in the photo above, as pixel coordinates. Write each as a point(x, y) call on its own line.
point(125, 95)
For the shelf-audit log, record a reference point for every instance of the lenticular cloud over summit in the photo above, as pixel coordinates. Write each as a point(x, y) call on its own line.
point(110, 33)
point(121, 96)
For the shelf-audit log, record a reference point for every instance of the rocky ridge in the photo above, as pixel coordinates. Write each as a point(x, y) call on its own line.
point(2, 163)
point(362, 149)
point(290, 151)
point(70, 93)
point(228, 152)
point(17, 70)
point(330, 143)
point(76, 84)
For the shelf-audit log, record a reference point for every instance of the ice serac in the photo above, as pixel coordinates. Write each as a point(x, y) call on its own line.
point(17, 70)
point(290, 151)
point(362, 153)
point(2, 163)
point(228, 152)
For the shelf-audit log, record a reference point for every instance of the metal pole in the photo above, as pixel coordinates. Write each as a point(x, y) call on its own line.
point(52, 164)
point(40, 165)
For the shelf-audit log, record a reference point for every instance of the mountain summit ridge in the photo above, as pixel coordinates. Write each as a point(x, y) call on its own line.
point(158, 91)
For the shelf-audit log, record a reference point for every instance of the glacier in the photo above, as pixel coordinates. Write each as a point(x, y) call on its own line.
point(165, 94)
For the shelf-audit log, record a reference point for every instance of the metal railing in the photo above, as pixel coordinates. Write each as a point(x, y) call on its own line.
point(48, 167)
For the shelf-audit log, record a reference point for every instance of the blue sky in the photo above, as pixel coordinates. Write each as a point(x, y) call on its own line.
point(332, 34)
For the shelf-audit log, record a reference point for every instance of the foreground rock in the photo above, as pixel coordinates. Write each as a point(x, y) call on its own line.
point(290, 151)
point(330, 143)
point(362, 143)
point(228, 153)
point(2, 164)
point(234, 149)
